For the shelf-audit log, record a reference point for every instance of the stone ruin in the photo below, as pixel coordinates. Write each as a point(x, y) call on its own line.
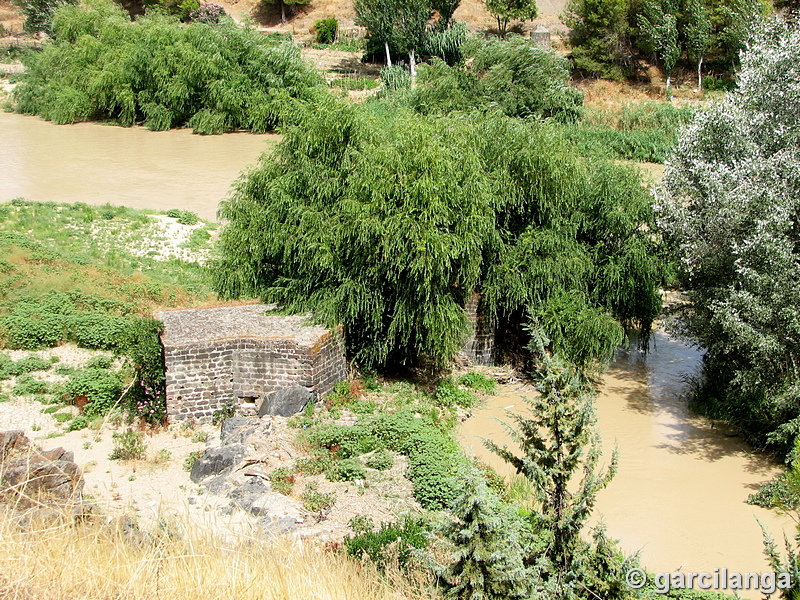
point(262, 363)
point(479, 347)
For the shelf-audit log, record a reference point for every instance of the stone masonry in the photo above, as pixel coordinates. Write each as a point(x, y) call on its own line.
point(480, 345)
point(240, 354)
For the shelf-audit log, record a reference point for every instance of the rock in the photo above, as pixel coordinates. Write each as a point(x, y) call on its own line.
point(285, 402)
point(216, 461)
point(236, 430)
point(248, 493)
point(29, 475)
point(277, 526)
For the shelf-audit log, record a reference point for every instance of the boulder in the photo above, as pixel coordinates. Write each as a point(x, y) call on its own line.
point(285, 402)
point(236, 430)
point(216, 461)
point(29, 474)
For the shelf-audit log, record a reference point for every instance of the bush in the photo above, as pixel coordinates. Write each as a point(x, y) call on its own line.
point(174, 213)
point(395, 78)
point(382, 460)
point(101, 387)
point(347, 469)
point(79, 422)
point(404, 536)
point(128, 445)
point(355, 83)
point(10, 368)
point(39, 13)
point(189, 461)
point(282, 480)
point(214, 77)
point(317, 502)
point(448, 394)
point(475, 380)
point(187, 217)
point(326, 30)
point(28, 385)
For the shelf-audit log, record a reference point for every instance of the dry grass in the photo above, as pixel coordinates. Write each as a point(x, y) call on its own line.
point(100, 562)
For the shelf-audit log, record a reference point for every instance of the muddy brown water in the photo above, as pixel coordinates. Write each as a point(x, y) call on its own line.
point(96, 164)
point(679, 496)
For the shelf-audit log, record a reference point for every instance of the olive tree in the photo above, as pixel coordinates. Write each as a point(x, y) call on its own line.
point(730, 209)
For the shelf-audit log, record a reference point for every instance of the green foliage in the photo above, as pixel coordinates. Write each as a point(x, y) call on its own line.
point(348, 469)
point(727, 211)
point(382, 460)
point(317, 502)
point(282, 480)
point(188, 462)
point(212, 77)
point(475, 380)
point(315, 465)
point(392, 539)
point(39, 13)
point(557, 442)
point(79, 422)
point(388, 223)
point(361, 524)
point(225, 412)
point(487, 554)
point(449, 394)
point(26, 384)
point(11, 368)
point(395, 78)
point(187, 217)
point(128, 445)
point(506, 11)
point(658, 29)
point(101, 387)
point(512, 75)
point(447, 43)
point(599, 36)
point(326, 30)
point(174, 213)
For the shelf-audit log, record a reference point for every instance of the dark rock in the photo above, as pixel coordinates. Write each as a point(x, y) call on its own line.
point(216, 461)
point(277, 526)
point(216, 485)
point(285, 402)
point(236, 430)
point(30, 474)
point(248, 493)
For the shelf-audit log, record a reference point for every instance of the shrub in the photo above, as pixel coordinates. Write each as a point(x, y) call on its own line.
point(225, 412)
point(315, 465)
point(375, 544)
point(62, 417)
point(347, 469)
point(355, 83)
point(282, 480)
point(478, 381)
point(10, 368)
point(128, 445)
point(79, 422)
point(174, 213)
point(317, 502)
point(27, 384)
point(101, 387)
point(214, 77)
point(395, 78)
point(326, 30)
point(382, 460)
point(187, 217)
point(448, 394)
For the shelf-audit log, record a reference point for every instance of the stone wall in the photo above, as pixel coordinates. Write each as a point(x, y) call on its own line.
point(240, 354)
point(480, 345)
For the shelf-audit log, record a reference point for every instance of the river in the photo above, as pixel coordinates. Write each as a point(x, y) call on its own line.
point(678, 497)
point(98, 164)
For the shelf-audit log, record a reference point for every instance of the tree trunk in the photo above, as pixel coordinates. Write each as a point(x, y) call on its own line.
point(412, 63)
point(283, 12)
point(669, 76)
point(388, 54)
point(700, 74)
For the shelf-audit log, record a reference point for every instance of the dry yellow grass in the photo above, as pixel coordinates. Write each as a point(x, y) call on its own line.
point(99, 562)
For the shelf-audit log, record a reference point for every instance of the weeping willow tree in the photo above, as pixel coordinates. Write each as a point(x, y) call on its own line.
point(388, 224)
point(213, 78)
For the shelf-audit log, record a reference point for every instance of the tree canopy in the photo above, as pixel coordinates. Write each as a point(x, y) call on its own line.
point(730, 208)
point(212, 78)
point(388, 223)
